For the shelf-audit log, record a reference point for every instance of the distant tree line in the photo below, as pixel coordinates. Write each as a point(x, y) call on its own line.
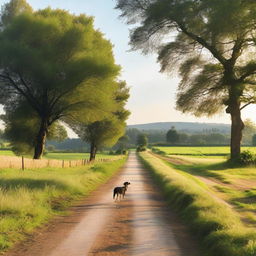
point(204, 137)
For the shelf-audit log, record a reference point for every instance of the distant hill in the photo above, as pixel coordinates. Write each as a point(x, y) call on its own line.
point(183, 126)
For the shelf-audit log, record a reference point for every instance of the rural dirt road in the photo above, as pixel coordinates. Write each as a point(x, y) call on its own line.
point(141, 224)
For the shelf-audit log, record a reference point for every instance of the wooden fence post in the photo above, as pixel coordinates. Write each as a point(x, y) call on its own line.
point(63, 163)
point(22, 163)
point(69, 163)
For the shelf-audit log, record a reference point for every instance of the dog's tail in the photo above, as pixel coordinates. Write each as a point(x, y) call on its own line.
point(114, 194)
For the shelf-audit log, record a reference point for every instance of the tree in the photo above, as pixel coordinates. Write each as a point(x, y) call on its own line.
point(22, 127)
point(122, 144)
point(132, 133)
point(212, 46)
point(107, 131)
point(142, 140)
point(56, 63)
point(172, 136)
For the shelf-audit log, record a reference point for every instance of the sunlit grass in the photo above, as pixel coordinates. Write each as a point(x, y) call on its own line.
point(6, 153)
point(29, 198)
point(63, 156)
point(75, 156)
point(201, 151)
point(218, 227)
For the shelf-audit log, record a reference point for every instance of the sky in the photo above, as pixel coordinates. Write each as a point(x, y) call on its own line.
point(152, 93)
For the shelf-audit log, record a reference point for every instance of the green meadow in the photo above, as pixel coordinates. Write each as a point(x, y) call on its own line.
point(201, 151)
point(31, 197)
point(63, 156)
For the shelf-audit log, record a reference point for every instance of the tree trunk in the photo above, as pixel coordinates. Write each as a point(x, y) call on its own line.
point(93, 152)
point(237, 127)
point(40, 139)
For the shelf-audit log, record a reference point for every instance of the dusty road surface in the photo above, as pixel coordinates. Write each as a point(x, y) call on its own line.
point(141, 224)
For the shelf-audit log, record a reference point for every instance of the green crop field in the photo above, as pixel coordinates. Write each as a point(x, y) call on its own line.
point(75, 156)
point(63, 156)
point(6, 153)
point(201, 151)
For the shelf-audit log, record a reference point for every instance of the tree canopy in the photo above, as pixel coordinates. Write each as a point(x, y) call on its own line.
point(106, 132)
point(56, 66)
point(172, 136)
point(211, 43)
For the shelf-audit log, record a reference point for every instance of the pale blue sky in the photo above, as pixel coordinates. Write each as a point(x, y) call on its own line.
point(152, 94)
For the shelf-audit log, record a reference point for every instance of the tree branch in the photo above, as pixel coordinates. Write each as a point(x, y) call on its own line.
point(247, 104)
point(202, 41)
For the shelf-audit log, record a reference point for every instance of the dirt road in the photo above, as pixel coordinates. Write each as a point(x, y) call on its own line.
point(141, 224)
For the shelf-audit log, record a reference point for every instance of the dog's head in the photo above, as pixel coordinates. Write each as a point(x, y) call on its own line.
point(126, 183)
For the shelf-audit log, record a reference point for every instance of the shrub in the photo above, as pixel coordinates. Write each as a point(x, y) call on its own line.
point(247, 158)
point(141, 148)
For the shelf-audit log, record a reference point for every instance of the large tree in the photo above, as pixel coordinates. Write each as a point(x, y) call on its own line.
point(212, 45)
point(53, 61)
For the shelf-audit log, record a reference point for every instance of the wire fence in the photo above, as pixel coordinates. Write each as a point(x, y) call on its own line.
point(27, 163)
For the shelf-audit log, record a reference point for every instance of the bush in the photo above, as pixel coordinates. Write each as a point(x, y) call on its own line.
point(158, 151)
point(247, 158)
point(141, 148)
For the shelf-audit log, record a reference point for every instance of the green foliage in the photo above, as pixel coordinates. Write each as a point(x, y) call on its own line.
point(57, 132)
point(247, 158)
point(30, 198)
point(22, 125)
point(59, 65)
point(122, 144)
point(12, 9)
point(141, 148)
point(106, 132)
point(142, 140)
point(158, 151)
point(172, 136)
point(209, 43)
point(219, 27)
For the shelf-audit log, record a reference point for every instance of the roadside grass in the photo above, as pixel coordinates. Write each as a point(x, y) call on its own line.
point(238, 184)
point(30, 198)
point(201, 151)
point(218, 227)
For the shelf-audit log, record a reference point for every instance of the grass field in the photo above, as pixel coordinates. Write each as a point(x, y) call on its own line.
point(31, 197)
point(237, 186)
point(222, 230)
point(76, 156)
point(63, 156)
point(201, 151)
